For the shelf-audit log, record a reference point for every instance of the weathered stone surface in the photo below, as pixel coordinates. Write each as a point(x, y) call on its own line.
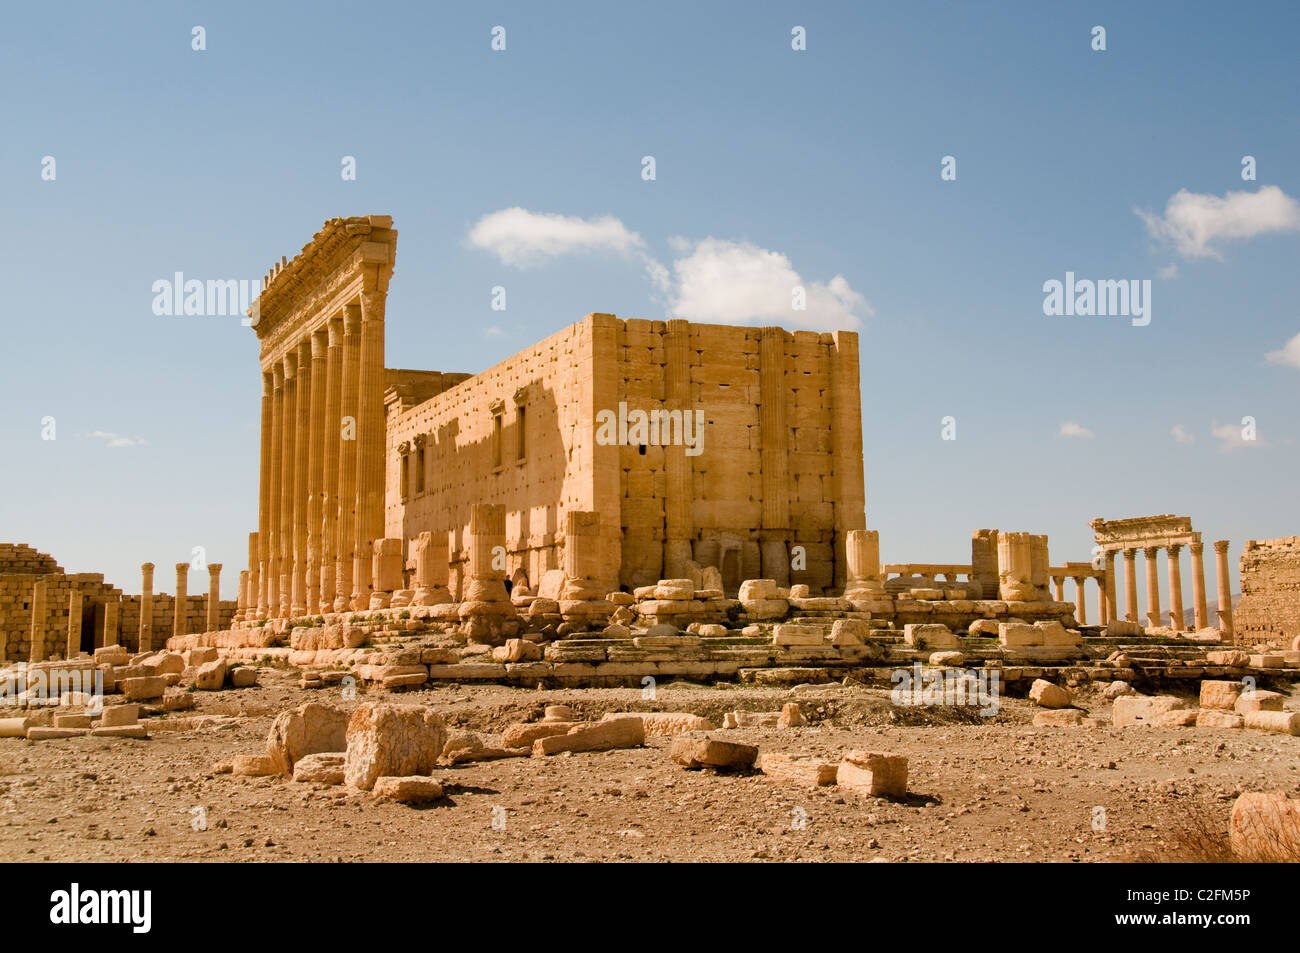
point(307, 729)
point(523, 735)
point(791, 716)
point(1177, 718)
point(1265, 827)
point(1219, 694)
point(696, 752)
point(947, 658)
point(596, 736)
point(120, 731)
point(1219, 719)
point(1131, 710)
point(407, 790)
point(253, 765)
point(1232, 659)
point(1045, 694)
point(983, 628)
point(38, 733)
point(931, 637)
point(1060, 718)
point(1258, 700)
point(798, 768)
point(791, 635)
point(661, 724)
point(873, 773)
point(211, 676)
point(69, 720)
point(115, 715)
point(386, 740)
point(849, 632)
point(325, 767)
point(243, 676)
point(1117, 689)
point(1283, 722)
point(146, 687)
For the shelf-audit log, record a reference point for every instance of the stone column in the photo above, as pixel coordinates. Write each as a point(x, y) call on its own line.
point(1015, 567)
point(1153, 586)
point(862, 553)
point(241, 595)
point(1040, 564)
point(1080, 606)
point(347, 496)
point(179, 613)
point(485, 608)
point(37, 653)
point(1130, 585)
point(302, 453)
point(255, 602)
point(1109, 586)
point(848, 488)
point(146, 607)
point(1058, 588)
point(288, 433)
point(1225, 588)
point(1198, 585)
point(1103, 609)
point(371, 440)
point(679, 498)
point(275, 530)
point(1175, 588)
point(315, 467)
point(248, 581)
point(214, 597)
point(330, 440)
point(431, 570)
point(984, 563)
point(112, 626)
point(74, 624)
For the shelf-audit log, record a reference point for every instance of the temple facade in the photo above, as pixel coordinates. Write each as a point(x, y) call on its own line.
point(693, 445)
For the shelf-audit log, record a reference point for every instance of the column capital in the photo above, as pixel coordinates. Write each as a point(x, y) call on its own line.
point(1130, 554)
point(1197, 548)
point(334, 330)
point(277, 375)
point(372, 305)
point(319, 344)
point(268, 383)
point(182, 568)
point(1174, 549)
point(1151, 551)
point(1220, 546)
point(290, 363)
point(146, 567)
point(214, 569)
point(304, 353)
point(352, 318)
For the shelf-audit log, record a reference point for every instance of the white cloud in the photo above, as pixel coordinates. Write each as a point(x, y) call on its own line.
point(727, 282)
point(522, 238)
point(1168, 272)
point(114, 440)
point(1181, 434)
point(1071, 429)
point(711, 280)
point(1193, 222)
point(1289, 353)
point(1233, 437)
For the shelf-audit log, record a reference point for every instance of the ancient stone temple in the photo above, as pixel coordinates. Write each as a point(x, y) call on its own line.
point(1269, 611)
point(696, 446)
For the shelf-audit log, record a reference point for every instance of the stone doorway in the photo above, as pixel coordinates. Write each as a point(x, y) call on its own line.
point(86, 642)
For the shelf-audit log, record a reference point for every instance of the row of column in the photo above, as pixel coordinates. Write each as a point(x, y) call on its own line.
point(321, 482)
point(41, 650)
point(1080, 595)
point(1201, 620)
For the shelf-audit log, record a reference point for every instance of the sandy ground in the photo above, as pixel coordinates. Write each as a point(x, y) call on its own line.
point(981, 789)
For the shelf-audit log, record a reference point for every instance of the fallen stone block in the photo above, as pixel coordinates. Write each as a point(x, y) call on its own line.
point(210, 677)
point(1258, 700)
point(325, 767)
point(1045, 694)
point(415, 789)
point(983, 628)
point(199, 655)
point(789, 634)
point(308, 729)
point(695, 752)
point(1117, 689)
point(1265, 827)
point(115, 716)
point(791, 716)
point(146, 687)
point(661, 724)
point(1122, 627)
point(465, 746)
point(947, 658)
point(1220, 694)
point(1019, 635)
point(1131, 710)
point(13, 727)
point(120, 731)
point(798, 769)
point(872, 773)
point(597, 736)
point(522, 650)
point(37, 733)
point(1283, 722)
point(1219, 719)
point(71, 721)
point(1177, 718)
point(849, 632)
point(243, 677)
point(930, 637)
point(1060, 718)
point(253, 766)
point(386, 740)
point(1269, 660)
point(523, 735)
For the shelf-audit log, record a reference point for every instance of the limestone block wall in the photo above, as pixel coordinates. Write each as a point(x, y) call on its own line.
point(196, 615)
point(16, 607)
point(19, 558)
point(1269, 609)
point(779, 462)
point(463, 446)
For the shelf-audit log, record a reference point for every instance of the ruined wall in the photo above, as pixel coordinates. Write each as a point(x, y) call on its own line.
point(470, 438)
point(1269, 610)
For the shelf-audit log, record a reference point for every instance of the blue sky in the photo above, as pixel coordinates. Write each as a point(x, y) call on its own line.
point(216, 162)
